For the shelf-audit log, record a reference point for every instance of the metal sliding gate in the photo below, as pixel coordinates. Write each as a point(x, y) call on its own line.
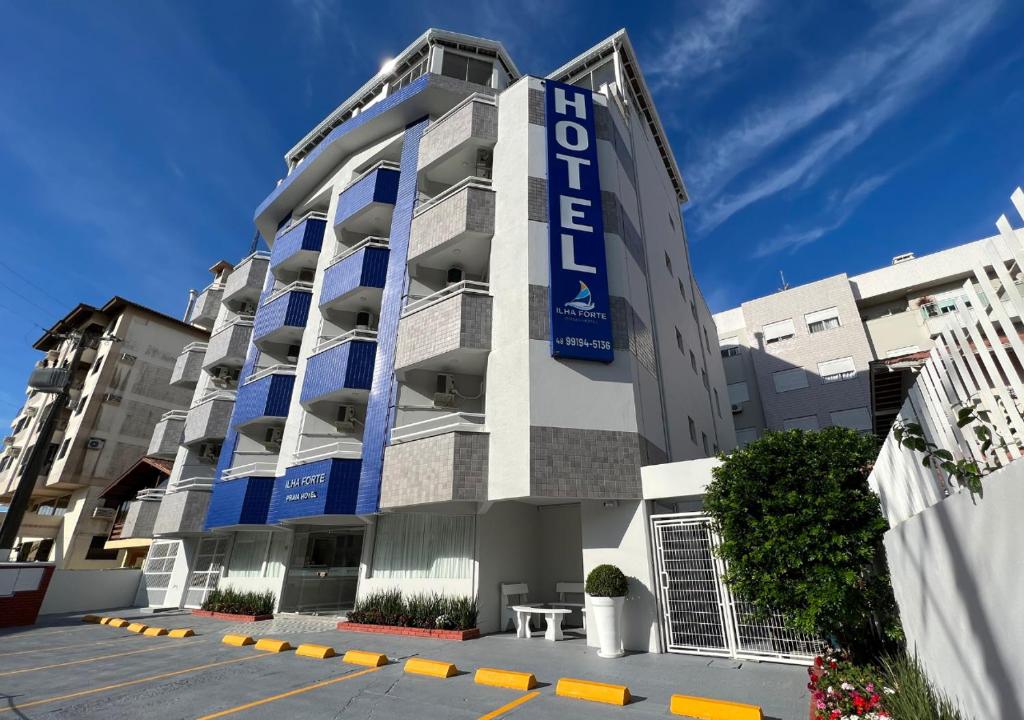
point(698, 613)
point(206, 569)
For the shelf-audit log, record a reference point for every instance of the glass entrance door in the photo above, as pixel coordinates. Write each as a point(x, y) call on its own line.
point(323, 570)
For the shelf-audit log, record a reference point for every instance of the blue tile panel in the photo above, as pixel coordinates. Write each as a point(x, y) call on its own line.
point(267, 397)
point(242, 501)
point(391, 101)
point(291, 309)
point(307, 235)
point(364, 268)
point(380, 408)
point(325, 487)
point(345, 366)
point(379, 186)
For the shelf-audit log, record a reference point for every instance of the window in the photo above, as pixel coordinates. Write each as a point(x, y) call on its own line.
point(693, 361)
point(64, 448)
point(704, 440)
point(855, 418)
point(805, 422)
point(671, 222)
point(693, 311)
point(247, 554)
point(682, 289)
point(81, 404)
point(693, 429)
point(778, 331)
point(668, 263)
point(738, 393)
point(837, 370)
point(786, 380)
point(602, 75)
point(718, 403)
point(730, 346)
point(415, 545)
point(462, 67)
point(745, 436)
point(707, 343)
point(704, 377)
point(5, 462)
point(822, 320)
point(679, 340)
point(96, 550)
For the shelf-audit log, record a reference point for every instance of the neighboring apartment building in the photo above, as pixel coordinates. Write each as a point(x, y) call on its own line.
point(833, 352)
point(478, 321)
point(119, 390)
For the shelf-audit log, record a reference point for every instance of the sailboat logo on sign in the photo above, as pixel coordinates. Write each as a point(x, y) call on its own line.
point(583, 300)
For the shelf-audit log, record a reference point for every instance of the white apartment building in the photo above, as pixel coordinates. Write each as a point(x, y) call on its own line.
point(838, 351)
point(476, 326)
point(119, 390)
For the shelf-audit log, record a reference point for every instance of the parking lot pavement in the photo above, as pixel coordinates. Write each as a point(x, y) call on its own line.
point(67, 669)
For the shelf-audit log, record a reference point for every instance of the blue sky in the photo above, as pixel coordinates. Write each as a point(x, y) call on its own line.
point(815, 138)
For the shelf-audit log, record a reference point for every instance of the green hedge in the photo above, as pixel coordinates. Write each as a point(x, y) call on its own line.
point(229, 600)
point(607, 581)
point(433, 611)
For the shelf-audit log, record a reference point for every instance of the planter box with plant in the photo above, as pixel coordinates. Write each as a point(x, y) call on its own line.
point(607, 588)
point(435, 616)
point(230, 604)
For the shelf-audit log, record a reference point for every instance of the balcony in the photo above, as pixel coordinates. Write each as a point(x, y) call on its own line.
point(139, 519)
point(297, 246)
point(455, 140)
point(183, 510)
point(366, 204)
point(188, 365)
point(327, 487)
point(242, 501)
point(455, 228)
point(167, 434)
point(206, 306)
point(265, 396)
point(439, 460)
point(314, 447)
point(282, 316)
point(355, 277)
point(36, 526)
point(449, 330)
point(245, 283)
point(341, 368)
point(208, 420)
point(228, 346)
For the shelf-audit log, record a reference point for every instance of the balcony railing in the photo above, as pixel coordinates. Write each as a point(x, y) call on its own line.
point(256, 469)
point(272, 370)
point(345, 449)
point(450, 422)
point(290, 287)
point(467, 182)
point(189, 483)
point(466, 286)
point(334, 341)
point(373, 241)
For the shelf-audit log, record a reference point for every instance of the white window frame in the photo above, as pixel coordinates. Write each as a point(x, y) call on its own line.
point(830, 375)
point(820, 320)
point(778, 331)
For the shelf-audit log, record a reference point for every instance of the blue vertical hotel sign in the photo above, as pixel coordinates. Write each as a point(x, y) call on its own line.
point(581, 327)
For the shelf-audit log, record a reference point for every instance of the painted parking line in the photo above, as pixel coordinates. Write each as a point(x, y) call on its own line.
point(290, 693)
point(40, 633)
point(36, 651)
point(510, 706)
point(129, 683)
point(85, 660)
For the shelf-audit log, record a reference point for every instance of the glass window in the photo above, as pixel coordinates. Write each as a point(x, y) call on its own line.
point(704, 440)
point(693, 429)
point(679, 339)
point(247, 554)
point(778, 331)
point(693, 361)
point(786, 380)
point(668, 263)
point(855, 418)
point(805, 422)
point(466, 68)
point(96, 550)
point(417, 545)
point(822, 320)
point(745, 436)
point(837, 370)
point(718, 404)
point(738, 393)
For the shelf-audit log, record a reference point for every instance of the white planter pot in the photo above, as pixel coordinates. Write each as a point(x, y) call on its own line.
point(607, 614)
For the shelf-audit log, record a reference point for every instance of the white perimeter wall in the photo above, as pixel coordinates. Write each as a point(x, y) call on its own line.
point(87, 590)
point(958, 573)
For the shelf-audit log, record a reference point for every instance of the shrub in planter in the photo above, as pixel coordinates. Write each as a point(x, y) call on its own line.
point(229, 600)
point(425, 611)
point(607, 588)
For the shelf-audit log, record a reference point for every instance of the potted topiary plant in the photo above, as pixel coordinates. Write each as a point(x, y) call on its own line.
point(607, 588)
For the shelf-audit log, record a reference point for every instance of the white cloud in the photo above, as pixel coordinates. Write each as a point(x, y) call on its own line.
point(902, 56)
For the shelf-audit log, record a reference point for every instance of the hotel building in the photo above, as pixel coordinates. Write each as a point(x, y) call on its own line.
point(476, 326)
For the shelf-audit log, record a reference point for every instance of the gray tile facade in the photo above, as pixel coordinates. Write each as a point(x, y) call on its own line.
point(139, 520)
point(187, 367)
point(581, 463)
point(469, 212)
point(166, 436)
point(208, 421)
point(245, 283)
point(182, 513)
point(441, 468)
point(629, 332)
point(476, 121)
point(228, 346)
point(462, 321)
point(207, 304)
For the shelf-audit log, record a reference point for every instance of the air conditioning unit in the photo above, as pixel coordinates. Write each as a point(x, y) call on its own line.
point(737, 408)
point(346, 421)
point(293, 354)
point(444, 393)
point(455, 275)
point(95, 443)
point(225, 376)
point(247, 308)
point(273, 438)
point(128, 358)
point(364, 320)
point(306, 276)
point(112, 399)
point(209, 452)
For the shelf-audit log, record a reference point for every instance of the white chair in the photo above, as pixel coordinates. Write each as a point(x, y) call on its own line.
point(513, 594)
point(572, 588)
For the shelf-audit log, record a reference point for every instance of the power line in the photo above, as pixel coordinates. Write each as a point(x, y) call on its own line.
point(22, 316)
point(27, 299)
point(46, 293)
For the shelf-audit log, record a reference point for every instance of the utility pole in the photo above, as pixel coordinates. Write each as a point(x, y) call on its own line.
point(30, 470)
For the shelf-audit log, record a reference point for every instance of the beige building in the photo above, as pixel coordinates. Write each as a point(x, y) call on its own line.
point(820, 354)
point(119, 391)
